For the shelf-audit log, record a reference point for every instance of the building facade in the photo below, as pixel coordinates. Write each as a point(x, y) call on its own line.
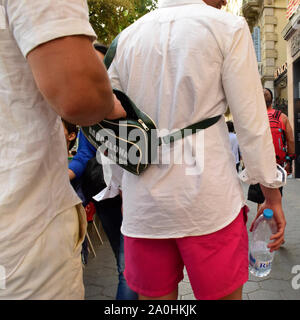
point(266, 20)
point(275, 28)
point(291, 34)
point(234, 7)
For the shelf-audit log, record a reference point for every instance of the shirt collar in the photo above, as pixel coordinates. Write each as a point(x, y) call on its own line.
point(170, 3)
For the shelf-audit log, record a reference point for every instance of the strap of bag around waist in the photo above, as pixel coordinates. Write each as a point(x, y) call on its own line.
point(180, 134)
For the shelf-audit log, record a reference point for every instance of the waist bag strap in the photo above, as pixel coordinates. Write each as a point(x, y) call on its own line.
point(180, 134)
point(111, 52)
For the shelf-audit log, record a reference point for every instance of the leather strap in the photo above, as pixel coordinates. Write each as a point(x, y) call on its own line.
point(111, 52)
point(180, 134)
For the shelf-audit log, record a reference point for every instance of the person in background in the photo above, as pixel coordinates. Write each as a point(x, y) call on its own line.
point(70, 132)
point(42, 222)
point(284, 146)
point(288, 141)
point(85, 169)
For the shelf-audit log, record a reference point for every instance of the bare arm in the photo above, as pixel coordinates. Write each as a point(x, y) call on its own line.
point(290, 141)
point(72, 79)
point(289, 134)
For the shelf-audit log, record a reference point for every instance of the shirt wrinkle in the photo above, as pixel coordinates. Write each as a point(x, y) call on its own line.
point(197, 77)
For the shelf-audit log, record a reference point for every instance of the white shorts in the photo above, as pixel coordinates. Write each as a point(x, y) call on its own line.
point(52, 269)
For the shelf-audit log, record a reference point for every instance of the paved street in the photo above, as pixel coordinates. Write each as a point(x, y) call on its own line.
point(101, 278)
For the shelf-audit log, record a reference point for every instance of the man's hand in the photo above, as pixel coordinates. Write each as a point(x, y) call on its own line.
point(273, 201)
point(117, 112)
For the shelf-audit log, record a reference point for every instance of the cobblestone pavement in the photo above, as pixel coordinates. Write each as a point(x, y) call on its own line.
point(101, 278)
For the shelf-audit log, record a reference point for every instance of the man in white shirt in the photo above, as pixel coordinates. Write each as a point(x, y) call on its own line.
point(48, 69)
point(183, 63)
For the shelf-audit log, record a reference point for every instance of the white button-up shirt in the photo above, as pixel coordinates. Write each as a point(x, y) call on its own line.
point(34, 184)
point(183, 63)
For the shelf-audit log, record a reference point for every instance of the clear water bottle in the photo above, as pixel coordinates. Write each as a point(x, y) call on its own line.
point(260, 260)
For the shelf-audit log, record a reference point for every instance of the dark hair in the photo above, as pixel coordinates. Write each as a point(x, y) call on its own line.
point(230, 126)
point(268, 102)
point(101, 48)
point(70, 128)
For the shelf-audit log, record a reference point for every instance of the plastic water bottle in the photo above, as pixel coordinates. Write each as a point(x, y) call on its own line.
point(260, 260)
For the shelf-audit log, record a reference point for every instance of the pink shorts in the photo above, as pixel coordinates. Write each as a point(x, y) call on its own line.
point(217, 263)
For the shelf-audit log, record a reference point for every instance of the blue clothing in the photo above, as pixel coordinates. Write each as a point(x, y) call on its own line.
point(85, 152)
point(124, 292)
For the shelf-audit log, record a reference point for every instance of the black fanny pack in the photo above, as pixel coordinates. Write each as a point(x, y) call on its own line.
point(133, 142)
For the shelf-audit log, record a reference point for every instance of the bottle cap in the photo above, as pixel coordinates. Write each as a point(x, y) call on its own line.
point(268, 213)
